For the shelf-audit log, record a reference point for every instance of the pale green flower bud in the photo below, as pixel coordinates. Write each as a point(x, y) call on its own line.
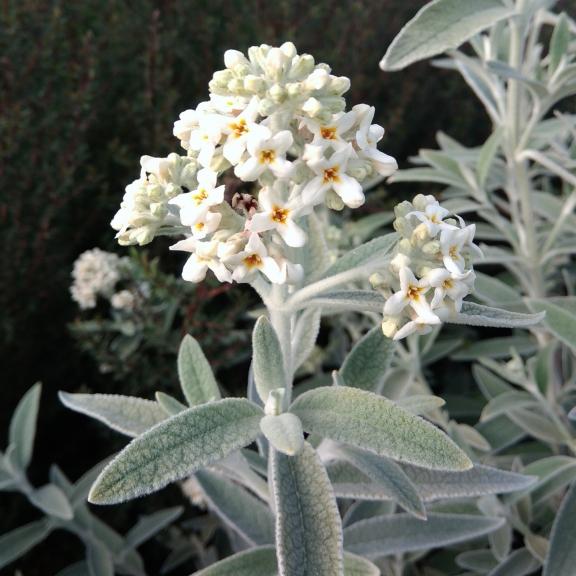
point(302, 66)
point(340, 84)
point(402, 226)
point(233, 58)
point(236, 86)
point(403, 208)
point(277, 93)
point(317, 80)
point(294, 89)
point(333, 201)
point(222, 77)
point(389, 327)
point(431, 248)
point(158, 209)
point(171, 191)
point(254, 84)
point(155, 193)
point(266, 107)
point(405, 246)
point(288, 49)
point(312, 107)
point(420, 202)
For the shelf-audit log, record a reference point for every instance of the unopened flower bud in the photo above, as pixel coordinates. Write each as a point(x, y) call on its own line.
point(399, 261)
point(431, 248)
point(277, 93)
point(233, 58)
point(318, 79)
point(254, 84)
point(333, 201)
point(235, 85)
point(340, 85)
point(302, 66)
point(389, 327)
point(288, 49)
point(312, 107)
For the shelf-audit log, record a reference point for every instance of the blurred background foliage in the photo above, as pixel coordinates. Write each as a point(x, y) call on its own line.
point(86, 88)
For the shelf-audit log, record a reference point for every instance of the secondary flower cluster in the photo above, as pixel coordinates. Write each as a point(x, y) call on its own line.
point(276, 120)
point(96, 273)
point(431, 272)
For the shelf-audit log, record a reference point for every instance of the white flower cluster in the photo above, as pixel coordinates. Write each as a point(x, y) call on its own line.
point(274, 119)
point(431, 272)
point(95, 273)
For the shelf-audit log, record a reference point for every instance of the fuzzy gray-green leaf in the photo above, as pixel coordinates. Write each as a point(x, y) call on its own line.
point(268, 361)
point(52, 501)
point(560, 319)
point(126, 414)
point(473, 314)
point(177, 447)
point(23, 426)
point(284, 432)
point(386, 535)
point(196, 377)
point(255, 562)
point(562, 553)
point(308, 527)
point(373, 423)
point(244, 513)
point(16, 543)
point(368, 361)
point(439, 26)
point(148, 526)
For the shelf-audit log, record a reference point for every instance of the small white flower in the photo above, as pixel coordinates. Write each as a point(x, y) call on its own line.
point(331, 175)
point(123, 300)
point(452, 241)
point(239, 128)
point(456, 287)
point(432, 217)
point(279, 215)
point(267, 152)
point(253, 259)
point(203, 258)
point(412, 293)
point(205, 223)
point(367, 138)
point(192, 204)
point(331, 133)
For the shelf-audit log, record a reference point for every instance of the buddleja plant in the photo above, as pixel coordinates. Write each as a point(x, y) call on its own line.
point(269, 464)
point(521, 186)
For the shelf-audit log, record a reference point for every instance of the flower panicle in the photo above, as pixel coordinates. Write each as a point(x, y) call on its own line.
point(431, 272)
point(273, 142)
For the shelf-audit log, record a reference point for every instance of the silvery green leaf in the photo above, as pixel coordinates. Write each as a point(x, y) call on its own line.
point(348, 300)
point(255, 562)
point(537, 425)
point(383, 536)
point(315, 258)
point(493, 291)
point(365, 227)
point(488, 153)
point(7, 480)
point(373, 423)
point(562, 553)
point(500, 432)
point(82, 486)
point(559, 42)
point(16, 543)
point(149, 526)
point(52, 501)
point(237, 508)
point(538, 89)
point(196, 377)
point(550, 207)
point(439, 26)
point(519, 563)
point(373, 250)
point(507, 402)
point(471, 437)
point(308, 526)
point(572, 413)
point(388, 474)
point(177, 447)
point(421, 403)
point(430, 484)
point(23, 426)
point(501, 542)
point(560, 319)
point(441, 349)
point(367, 363)
point(496, 348)
point(305, 335)
point(99, 560)
point(358, 566)
point(126, 414)
point(284, 432)
point(268, 360)
point(478, 315)
point(490, 384)
point(169, 404)
point(364, 509)
point(76, 569)
point(477, 561)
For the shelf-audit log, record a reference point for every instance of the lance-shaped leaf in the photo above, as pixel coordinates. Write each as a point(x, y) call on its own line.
point(430, 484)
point(16, 543)
point(308, 526)
point(560, 319)
point(439, 26)
point(421, 403)
point(368, 361)
point(51, 500)
point(373, 423)
point(126, 414)
point(169, 404)
point(371, 251)
point(262, 561)
point(23, 426)
point(348, 300)
point(268, 361)
point(561, 558)
point(477, 315)
point(383, 536)
point(196, 377)
point(177, 447)
point(244, 513)
point(284, 432)
point(100, 562)
point(390, 475)
point(305, 335)
point(519, 563)
point(148, 526)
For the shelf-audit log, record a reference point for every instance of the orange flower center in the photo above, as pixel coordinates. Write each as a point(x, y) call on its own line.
point(413, 292)
point(200, 196)
point(252, 261)
point(454, 252)
point(332, 174)
point(267, 156)
point(239, 128)
point(328, 132)
point(280, 215)
point(448, 283)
